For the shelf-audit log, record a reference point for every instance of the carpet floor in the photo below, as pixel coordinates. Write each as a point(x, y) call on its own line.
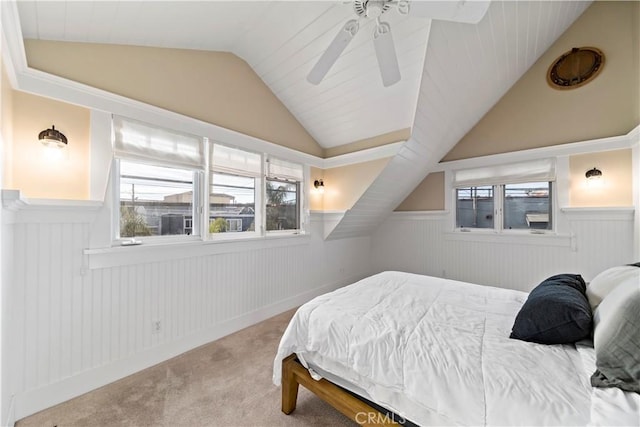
point(223, 383)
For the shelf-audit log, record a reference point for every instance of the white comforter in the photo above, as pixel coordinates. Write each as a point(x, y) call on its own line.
point(437, 352)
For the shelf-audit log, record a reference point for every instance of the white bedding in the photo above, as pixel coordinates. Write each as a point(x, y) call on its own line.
point(437, 352)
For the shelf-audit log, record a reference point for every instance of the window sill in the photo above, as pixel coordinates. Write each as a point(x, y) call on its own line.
point(514, 237)
point(158, 252)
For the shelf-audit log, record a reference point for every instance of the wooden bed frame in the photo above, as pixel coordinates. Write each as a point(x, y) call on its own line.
point(294, 374)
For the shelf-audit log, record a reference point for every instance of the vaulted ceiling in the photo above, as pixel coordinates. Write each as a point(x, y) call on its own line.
point(452, 73)
point(280, 40)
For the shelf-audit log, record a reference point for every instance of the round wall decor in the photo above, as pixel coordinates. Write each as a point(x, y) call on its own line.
point(575, 68)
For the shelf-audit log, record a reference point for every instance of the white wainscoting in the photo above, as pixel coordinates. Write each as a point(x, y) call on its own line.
point(6, 288)
point(75, 328)
point(423, 243)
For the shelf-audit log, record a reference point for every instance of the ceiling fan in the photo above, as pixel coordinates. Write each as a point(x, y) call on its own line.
point(470, 11)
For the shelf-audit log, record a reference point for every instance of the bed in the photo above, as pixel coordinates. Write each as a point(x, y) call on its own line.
point(437, 352)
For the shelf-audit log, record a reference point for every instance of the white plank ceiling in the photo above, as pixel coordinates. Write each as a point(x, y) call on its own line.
point(280, 40)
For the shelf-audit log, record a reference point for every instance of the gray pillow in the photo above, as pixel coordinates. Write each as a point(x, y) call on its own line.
point(617, 338)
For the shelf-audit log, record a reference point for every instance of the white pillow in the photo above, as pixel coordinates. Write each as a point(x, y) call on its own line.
point(606, 281)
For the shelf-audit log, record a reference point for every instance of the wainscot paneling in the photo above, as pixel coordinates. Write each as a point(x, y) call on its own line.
point(424, 243)
point(76, 327)
point(6, 313)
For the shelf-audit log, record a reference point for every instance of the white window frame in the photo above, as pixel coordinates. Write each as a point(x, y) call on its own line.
point(498, 213)
point(144, 150)
point(197, 210)
point(235, 221)
point(297, 176)
point(258, 213)
point(258, 175)
point(499, 176)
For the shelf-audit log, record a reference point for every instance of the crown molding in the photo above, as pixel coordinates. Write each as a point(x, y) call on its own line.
point(367, 155)
point(619, 142)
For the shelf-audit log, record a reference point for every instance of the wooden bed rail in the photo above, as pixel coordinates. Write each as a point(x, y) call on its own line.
point(293, 374)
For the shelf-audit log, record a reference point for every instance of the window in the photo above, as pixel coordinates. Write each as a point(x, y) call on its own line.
point(526, 206)
point(233, 199)
point(474, 207)
point(505, 197)
point(283, 205)
point(157, 181)
point(155, 200)
point(234, 193)
point(166, 187)
point(235, 224)
point(283, 195)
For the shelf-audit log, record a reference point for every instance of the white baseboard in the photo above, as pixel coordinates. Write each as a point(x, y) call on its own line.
point(32, 401)
point(11, 417)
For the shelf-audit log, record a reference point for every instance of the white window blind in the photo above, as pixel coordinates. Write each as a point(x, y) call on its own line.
point(532, 171)
point(283, 169)
point(234, 161)
point(137, 140)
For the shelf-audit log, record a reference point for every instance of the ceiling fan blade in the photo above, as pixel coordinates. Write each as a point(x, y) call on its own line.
point(468, 11)
point(333, 52)
point(386, 54)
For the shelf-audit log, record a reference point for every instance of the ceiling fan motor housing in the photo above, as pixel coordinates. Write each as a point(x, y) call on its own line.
point(371, 8)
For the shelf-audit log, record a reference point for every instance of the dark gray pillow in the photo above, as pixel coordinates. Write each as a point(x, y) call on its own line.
point(556, 312)
point(616, 338)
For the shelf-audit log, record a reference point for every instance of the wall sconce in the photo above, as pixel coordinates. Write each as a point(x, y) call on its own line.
point(319, 185)
point(52, 138)
point(593, 174)
point(594, 177)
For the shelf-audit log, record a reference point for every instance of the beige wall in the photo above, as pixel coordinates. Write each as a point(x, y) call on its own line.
point(427, 196)
point(216, 87)
point(315, 197)
point(44, 173)
point(532, 114)
point(6, 128)
point(363, 144)
point(614, 189)
point(344, 185)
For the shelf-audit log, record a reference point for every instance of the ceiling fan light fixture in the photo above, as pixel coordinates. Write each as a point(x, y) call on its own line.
point(375, 8)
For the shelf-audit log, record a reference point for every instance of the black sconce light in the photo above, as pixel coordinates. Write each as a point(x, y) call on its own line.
point(52, 138)
point(319, 185)
point(593, 174)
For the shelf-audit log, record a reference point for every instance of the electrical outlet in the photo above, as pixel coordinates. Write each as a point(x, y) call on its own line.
point(156, 326)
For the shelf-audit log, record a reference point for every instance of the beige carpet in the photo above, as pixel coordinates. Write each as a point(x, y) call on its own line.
point(224, 383)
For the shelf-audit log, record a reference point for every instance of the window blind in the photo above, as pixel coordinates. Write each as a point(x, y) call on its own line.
point(235, 161)
point(283, 169)
point(543, 170)
point(137, 140)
